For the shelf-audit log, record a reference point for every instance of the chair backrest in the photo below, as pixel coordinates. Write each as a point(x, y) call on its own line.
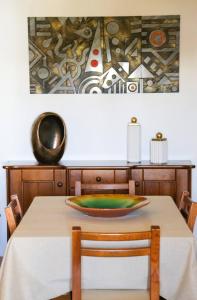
point(13, 213)
point(188, 209)
point(152, 250)
point(17, 205)
point(130, 186)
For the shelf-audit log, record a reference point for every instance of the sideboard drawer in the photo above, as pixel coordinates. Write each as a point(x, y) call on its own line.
point(97, 176)
point(37, 175)
point(159, 174)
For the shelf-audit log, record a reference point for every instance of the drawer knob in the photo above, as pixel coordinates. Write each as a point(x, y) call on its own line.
point(60, 184)
point(98, 179)
point(137, 184)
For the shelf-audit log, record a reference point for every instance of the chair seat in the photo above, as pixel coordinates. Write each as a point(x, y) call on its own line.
point(110, 295)
point(115, 295)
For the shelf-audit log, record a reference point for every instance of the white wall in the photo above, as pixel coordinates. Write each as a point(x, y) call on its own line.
point(96, 124)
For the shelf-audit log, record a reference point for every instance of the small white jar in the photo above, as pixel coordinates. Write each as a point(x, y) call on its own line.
point(159, 149)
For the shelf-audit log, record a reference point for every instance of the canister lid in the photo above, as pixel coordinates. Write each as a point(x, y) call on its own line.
point(159, 137)
point(134, 121)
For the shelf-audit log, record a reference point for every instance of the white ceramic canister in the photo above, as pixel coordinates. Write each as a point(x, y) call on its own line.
point(159, 149)
point(133, 141)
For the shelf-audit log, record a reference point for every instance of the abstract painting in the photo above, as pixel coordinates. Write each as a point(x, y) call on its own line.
point(109, 55)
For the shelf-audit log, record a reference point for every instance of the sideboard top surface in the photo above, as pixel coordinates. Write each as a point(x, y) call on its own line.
point(98, 164)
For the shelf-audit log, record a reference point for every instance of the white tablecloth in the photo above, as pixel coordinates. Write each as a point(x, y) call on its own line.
point(37, 261)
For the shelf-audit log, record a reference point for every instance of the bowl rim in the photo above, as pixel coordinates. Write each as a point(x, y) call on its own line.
point(71, 201)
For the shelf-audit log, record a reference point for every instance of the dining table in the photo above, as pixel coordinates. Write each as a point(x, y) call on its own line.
point(38, 257)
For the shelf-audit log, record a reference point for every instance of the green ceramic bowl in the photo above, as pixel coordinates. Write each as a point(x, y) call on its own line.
point(106, 202)
point(107, 205)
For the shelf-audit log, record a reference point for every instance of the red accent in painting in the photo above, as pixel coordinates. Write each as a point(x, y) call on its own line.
point(94, 63)
point(95, 51)
point(157, 38)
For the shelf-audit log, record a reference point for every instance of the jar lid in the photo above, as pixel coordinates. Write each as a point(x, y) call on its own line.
point(159, 137)
point(133, 122)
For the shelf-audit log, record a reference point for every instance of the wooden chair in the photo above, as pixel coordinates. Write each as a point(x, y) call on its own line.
point(153, 250)
point(188, 209)
point(13, 213)
point(130, 186)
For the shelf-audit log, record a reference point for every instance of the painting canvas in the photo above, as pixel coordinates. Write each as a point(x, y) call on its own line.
point(110, 55)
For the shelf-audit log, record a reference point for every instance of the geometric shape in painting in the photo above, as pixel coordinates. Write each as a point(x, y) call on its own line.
point(132, 87)
point(147, 59)
point(165, 81)
point(134, 54)
point(141, 73)
point(125, 66)
point(159, 72)
point(90, 85)
point(94, 63)
point(115, 55)
point(107, 48)
point(85, 32)
point(110, 78)
point(157, 38)
point(153, 66)
point(64, 86)
point(132, 48)
point(34, 55)
point(112, 28)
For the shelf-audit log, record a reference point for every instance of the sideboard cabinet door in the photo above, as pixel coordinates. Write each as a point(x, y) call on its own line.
point(29, 183)
point(165, 181)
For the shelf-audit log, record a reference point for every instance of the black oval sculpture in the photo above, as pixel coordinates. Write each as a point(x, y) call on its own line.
point(48, 138)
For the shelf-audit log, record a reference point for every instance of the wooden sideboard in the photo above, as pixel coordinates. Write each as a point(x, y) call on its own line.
point(28, 179)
